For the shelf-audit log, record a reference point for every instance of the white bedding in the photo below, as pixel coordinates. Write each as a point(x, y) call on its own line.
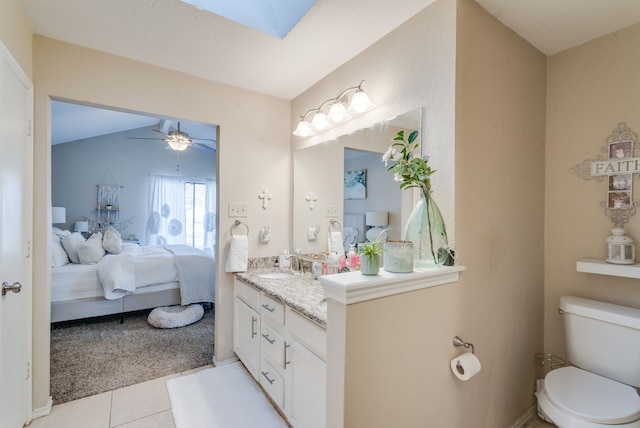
point(135, 267)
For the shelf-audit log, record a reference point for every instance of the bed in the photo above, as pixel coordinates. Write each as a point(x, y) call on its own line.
point(134, 279)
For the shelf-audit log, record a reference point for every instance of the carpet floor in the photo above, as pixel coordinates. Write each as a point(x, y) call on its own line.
point(89, 357)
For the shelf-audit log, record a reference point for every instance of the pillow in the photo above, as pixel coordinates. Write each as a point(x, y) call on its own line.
point(91, 252)
point(59, 256)
point(70, 244)
point(112, 241)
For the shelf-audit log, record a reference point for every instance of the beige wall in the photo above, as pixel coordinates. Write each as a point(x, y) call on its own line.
point(591, 88)
point(253, 153)
point(398, 349)
point(15, 34)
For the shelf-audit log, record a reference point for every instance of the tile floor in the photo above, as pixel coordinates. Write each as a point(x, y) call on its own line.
point(145, 405)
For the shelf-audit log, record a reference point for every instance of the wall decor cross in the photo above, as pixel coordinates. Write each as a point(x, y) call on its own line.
point(617, 165)
point(311, 198)
point(266, 197)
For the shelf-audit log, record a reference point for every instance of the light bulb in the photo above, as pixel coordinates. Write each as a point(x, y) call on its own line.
point(303, 129)
point(319, 122)
point(337, 113)
point(360, 102)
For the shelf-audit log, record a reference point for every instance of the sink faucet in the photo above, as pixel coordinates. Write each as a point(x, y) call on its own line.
point(297, 266)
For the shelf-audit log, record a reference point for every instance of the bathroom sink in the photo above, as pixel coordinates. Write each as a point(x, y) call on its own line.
point(275, 275)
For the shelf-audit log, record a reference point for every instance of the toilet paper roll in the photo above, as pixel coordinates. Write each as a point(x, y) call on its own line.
point(465, 366)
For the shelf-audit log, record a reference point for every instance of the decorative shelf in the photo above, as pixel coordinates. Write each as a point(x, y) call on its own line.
point(601, 267)
point(354, 287)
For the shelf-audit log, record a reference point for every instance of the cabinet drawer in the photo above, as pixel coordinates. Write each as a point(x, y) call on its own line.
point(272, 345)
point(272, 309)
point(272, 382)
point(308, 333)
point(248, 294)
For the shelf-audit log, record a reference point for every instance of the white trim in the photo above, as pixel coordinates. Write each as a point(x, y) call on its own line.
point(527, 417)
point(354, 287)
point(224, 362)
point(43, 411)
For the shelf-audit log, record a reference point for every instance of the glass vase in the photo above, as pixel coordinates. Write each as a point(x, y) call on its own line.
point(426, 229)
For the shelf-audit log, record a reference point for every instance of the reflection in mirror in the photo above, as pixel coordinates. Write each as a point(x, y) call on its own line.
point(319, 186)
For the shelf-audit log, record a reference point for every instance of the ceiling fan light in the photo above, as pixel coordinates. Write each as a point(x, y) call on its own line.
point(320, 122)
point(303, 129)
point(178, 144)
point(360, 102)
point(338, 113)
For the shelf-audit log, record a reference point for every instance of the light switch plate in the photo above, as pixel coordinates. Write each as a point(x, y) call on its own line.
point(237, 209)
point(331, 211)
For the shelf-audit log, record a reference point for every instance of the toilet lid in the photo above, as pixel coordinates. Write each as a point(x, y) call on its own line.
point(591, 397)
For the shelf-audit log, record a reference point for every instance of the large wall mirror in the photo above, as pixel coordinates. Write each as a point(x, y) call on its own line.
point(319, 185)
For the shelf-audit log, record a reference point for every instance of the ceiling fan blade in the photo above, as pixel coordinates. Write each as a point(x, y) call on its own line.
point(143, 138)
point(203, 139)
point(164, 133)
point(202, 147)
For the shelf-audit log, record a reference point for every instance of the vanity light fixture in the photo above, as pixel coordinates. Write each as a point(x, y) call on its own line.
point(352, 100)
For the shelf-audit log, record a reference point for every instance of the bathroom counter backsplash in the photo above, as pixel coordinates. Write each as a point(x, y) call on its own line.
point(303, 293)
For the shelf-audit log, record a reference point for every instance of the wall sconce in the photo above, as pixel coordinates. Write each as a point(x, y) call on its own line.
point(351, 101)
point(376, 219)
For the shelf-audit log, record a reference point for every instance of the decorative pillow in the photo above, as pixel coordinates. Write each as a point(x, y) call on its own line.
point(70, 244)
point(91, 251)
point(112, 241)
point(59, 256)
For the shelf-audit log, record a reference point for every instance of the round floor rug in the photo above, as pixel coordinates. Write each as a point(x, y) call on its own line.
point(175, 316)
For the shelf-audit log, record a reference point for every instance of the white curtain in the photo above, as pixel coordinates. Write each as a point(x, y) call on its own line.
point(210, 218)
point(166, 221)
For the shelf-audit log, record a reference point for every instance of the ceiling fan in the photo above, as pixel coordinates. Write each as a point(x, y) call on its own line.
point(178, 140)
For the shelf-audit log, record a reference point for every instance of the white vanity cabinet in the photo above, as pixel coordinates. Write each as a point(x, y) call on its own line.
point(307, 373)
point(246, 331)
point(286, 356)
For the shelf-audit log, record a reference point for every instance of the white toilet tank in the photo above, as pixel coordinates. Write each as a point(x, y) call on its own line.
point(603, 338)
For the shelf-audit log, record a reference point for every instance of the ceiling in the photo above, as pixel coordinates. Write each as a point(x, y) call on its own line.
point(178, 36)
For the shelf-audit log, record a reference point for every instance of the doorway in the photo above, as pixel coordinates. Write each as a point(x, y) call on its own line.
point(96, 145)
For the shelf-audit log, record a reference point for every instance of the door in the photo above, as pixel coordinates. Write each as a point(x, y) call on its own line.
point(246, 336)
point(16, 146)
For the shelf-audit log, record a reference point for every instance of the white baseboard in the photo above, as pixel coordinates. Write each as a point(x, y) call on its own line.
point(42, 411)
point(224, 362)
point(527, 417)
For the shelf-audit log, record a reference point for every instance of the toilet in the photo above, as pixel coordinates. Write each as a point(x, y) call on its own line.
point(599, 389)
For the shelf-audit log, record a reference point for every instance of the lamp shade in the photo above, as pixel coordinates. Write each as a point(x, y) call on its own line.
point(360, 102)
point(58, 215)
point(81, 226)
point(377, 218)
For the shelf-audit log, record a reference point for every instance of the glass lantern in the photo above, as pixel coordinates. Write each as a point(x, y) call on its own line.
point(620, 248)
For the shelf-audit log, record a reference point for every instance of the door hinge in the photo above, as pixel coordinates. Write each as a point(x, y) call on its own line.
point(28, 370)
point(28, 249)
point(29, 128)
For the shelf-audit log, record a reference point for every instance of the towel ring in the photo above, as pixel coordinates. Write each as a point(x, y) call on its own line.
point(238, 223)
point(333, 222)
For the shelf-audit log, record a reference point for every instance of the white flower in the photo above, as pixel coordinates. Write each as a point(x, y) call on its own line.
point(397, 177)
point(397, 156)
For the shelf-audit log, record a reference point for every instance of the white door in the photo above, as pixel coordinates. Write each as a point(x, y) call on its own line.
point(16, 145)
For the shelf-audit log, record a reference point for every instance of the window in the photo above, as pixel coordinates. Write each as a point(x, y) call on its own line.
point(182, 211)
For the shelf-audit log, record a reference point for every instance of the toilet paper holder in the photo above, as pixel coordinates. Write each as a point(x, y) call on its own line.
point(457, 341)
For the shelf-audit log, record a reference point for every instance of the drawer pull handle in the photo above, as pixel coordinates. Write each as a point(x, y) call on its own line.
point(266, 337)
point(267, 378)
point(286, 346)
point(269, 308)
point(254, 320)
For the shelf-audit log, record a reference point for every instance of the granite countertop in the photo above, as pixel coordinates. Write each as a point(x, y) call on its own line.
point(303, 293)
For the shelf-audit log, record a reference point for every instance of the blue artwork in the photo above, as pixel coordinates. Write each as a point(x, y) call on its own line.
point(355, 184)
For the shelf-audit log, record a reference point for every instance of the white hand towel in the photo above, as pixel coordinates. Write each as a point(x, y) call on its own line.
point(335, 241)
point(238, 254)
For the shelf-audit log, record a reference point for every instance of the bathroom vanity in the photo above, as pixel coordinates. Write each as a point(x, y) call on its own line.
point(291, 332)
point(280, 337)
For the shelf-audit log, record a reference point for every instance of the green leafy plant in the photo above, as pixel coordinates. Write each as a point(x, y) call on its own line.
point(372, 249)
point(409, 170)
